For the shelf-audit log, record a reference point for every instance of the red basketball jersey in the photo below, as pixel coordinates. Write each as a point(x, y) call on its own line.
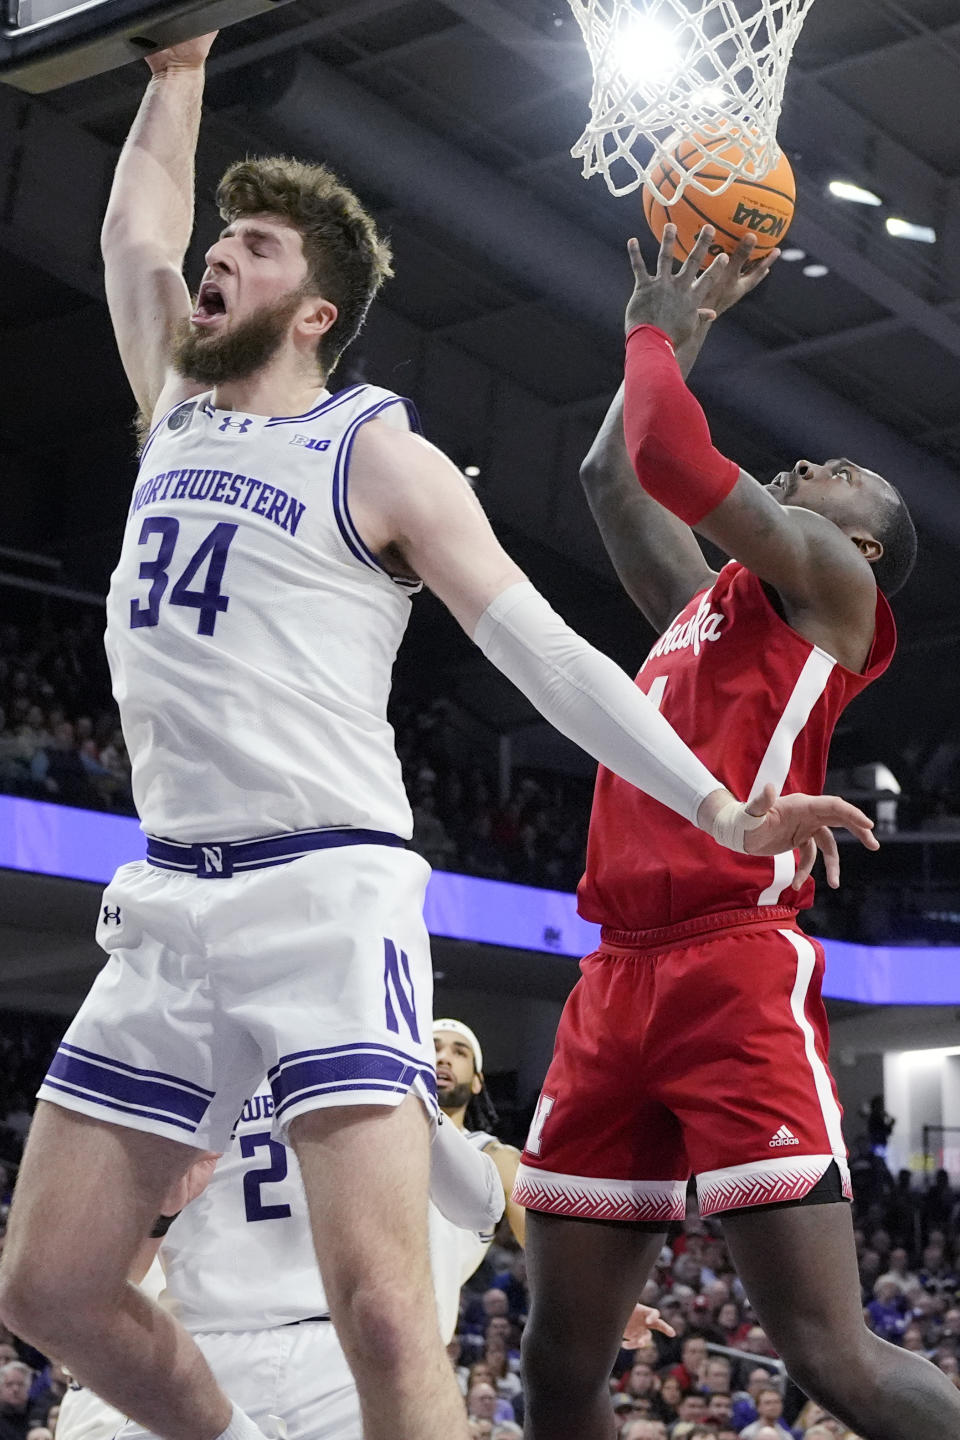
point(757, 703)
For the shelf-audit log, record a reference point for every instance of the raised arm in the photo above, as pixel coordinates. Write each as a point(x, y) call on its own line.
point(655, 555)
point(826, 584)
point(657, 559)
point(149, 221)
point(407, 496)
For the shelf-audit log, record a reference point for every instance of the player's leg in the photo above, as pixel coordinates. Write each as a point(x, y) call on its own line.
point(585, 1278)
point(366, 1172)
point(799, 1269)
point(87, 1195)
point(601, 1149)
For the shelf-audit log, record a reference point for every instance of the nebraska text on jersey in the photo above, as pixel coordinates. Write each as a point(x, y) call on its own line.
point(705, 625)
point(758, 709)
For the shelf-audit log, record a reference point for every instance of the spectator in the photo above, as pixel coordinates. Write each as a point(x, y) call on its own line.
point(483, 1403)
point(716, 1374)
point(692, 1407)
point(15, 1378)
point(899, 1269)
point(640, 1380)
point(886, 1311)
point(744, 1401)
point(720, 1407)
point(623, 1410)
point(693, 1357)
point(668, 1401)
point(644, 1428)
point(507, 1431)
point(769, 1404)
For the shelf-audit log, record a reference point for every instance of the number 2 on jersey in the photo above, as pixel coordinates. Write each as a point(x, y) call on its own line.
point(268, 1175)
point(210, 601)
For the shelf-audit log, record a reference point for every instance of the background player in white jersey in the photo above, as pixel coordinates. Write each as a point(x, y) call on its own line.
point(456, 1252)
point(237, 1268)
point(261, 593)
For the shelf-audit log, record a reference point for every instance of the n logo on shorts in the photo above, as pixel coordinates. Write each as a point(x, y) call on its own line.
point(401, 987)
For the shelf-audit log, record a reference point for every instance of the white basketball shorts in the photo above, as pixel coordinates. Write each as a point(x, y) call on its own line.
point(297, 1372)
point(316, 971)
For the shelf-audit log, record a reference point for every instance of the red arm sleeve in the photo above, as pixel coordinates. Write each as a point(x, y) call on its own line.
point(667, 435)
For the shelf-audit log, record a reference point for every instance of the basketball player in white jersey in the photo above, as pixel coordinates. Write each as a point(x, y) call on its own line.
point(237, 1268)
point(455, 1251)
point(273, 540)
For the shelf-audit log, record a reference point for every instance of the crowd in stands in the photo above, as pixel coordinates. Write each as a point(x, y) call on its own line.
point(60, 740)
point(682, 1388)
point(60, 736)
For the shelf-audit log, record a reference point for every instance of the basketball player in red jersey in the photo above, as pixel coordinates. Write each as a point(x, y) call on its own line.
point(696, 1040)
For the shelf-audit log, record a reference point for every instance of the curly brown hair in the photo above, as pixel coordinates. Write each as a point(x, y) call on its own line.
point(347, 259)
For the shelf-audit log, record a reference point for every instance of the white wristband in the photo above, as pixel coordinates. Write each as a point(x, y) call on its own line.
point(731, 823)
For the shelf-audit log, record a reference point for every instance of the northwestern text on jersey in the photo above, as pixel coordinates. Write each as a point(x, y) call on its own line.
point(225, 488)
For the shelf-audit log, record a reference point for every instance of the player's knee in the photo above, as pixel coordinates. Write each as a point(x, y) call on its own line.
point(382, 1324)
point(558, 1367)
point(812, 1363)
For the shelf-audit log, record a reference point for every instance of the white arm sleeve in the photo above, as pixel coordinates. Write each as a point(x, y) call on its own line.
point(591, 700)
point(465, 1184)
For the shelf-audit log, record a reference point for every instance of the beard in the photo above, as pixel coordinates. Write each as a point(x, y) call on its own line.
point(455, 1097)
point(249, 345)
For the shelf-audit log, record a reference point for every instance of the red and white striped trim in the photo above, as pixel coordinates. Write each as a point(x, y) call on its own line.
point(765, 1182)
point(591, 1199)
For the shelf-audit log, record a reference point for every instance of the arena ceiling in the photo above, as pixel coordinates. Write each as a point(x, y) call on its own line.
point(455, 119)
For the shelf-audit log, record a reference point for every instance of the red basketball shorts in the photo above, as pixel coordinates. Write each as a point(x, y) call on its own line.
point(699, 1049)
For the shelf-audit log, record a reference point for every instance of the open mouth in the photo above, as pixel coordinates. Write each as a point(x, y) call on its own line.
point(210, 303)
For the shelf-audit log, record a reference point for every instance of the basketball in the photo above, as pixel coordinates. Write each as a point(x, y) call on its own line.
point(761, 203)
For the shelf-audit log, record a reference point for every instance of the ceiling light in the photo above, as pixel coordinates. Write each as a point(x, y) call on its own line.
point(844, 190)
point(905, 231)
point(816, 272)
point(471, 471)
point(645, 50)
point(793, 254)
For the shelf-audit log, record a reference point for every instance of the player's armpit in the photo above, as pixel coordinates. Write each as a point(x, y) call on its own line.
point(404, 492)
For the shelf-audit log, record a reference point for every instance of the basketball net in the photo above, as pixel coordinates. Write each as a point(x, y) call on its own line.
point(667, 71)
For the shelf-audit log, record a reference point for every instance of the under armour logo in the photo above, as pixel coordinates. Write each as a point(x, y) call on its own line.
point(241, 425)
point(111, 917)
point(212, 859)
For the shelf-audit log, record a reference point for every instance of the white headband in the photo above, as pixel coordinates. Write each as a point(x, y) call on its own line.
point(458, 1028)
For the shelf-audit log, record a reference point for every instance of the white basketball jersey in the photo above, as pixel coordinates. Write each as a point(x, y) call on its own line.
point(251, 633)
point(455, 1254)
point(241, 1257)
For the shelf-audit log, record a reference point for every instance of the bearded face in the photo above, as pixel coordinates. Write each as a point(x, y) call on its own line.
point(451, 1096)
point(234, 349)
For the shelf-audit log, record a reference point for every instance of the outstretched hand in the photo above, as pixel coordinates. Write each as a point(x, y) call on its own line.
point(684, 303)
point(673, 300)
point(644, 1319)
point(801, 823)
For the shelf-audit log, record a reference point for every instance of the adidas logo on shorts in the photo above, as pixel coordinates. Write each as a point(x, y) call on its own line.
point(784, 1137)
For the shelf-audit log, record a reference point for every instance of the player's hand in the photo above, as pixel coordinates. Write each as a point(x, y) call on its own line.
point(671, 299)
point(641, 1322)
point(189, 1186)
point(721, 288)
point(801, 822)
point(188, 55)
